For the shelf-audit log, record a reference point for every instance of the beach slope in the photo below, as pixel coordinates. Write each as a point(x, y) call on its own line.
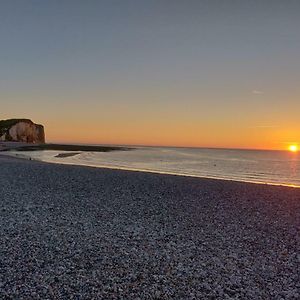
point(70, 232)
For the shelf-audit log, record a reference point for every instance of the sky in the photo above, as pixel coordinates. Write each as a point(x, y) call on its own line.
point(194, 73)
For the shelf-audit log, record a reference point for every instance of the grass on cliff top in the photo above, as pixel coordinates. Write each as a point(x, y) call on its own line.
point(5, 124)
point(10, 122)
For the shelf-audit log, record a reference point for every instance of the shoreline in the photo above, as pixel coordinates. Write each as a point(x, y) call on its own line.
point(145, 171)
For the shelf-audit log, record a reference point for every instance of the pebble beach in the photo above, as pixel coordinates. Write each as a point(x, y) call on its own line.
point(72, 232)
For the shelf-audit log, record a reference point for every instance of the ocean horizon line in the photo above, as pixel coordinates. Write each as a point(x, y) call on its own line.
point(164, 146)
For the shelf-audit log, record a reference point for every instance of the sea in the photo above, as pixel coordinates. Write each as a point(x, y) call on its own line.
point(257, 166)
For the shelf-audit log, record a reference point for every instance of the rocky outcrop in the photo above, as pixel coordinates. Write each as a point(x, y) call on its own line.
point(21, 130)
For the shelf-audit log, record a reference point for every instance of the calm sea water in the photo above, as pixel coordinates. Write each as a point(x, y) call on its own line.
point(273, 167)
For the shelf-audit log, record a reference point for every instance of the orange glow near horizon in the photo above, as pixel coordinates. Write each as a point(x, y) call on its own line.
point(174, 133)
point(172, 126)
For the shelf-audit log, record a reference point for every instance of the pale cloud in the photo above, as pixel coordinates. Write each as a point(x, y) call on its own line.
point(257, 92)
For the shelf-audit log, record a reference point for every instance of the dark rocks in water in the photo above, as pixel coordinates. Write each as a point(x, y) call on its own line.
point(64, 155)
point(21, 130)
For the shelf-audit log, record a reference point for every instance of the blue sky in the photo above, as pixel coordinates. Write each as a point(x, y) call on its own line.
point(178, 64)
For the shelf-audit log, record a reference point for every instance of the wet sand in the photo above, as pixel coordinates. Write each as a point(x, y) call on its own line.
point(71, 232)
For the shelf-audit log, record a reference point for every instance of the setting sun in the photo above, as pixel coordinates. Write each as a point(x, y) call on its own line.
point(293, 148)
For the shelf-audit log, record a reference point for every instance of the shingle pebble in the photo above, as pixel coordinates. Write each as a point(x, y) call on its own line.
point(70, 232)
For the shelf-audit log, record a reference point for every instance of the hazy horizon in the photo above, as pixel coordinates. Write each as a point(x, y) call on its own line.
point(159, 73)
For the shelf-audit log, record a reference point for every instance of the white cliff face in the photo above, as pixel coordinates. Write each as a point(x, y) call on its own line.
point(24, 131)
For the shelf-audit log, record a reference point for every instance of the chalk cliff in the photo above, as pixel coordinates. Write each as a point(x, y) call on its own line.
point(21, 130)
